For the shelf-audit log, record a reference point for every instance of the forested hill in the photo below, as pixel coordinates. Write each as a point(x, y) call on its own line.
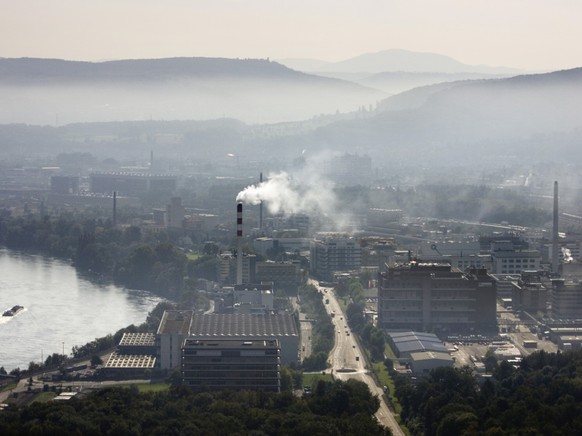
point(252, 90)
point(53, 71)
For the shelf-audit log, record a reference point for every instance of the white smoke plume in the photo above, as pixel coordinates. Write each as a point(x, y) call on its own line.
point(307, 192)
point(284, 195)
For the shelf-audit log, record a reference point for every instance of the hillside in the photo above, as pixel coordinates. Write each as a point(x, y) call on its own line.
point(489, 123)
point(532, 117)
point(394, 71)
point(49, 91)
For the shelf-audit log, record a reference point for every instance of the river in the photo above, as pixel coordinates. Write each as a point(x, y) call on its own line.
point(61, 308)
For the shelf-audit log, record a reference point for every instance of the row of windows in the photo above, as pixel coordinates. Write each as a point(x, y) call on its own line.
point(198, 367)
point(230, 375)
point(530, 261)
point(213, 382)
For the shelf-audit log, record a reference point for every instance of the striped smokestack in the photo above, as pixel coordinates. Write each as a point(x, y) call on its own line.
point(555, 235)
point(239, 234)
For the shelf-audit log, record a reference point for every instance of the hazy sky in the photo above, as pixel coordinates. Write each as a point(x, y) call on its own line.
point(528, 34)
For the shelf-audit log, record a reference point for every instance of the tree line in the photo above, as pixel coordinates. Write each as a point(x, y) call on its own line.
point(97, 248)
point(322, 332)
point(543, 395)
point(334, 408)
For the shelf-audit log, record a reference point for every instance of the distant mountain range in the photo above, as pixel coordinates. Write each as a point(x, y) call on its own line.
point(534, 117)
point(253, 90)
point(394, 60)
point(395, 71)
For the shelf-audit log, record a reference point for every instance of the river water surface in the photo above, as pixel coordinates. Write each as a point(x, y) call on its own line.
point(61, 308)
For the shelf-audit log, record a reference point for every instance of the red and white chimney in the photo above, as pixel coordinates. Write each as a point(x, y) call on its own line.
point(239, 235)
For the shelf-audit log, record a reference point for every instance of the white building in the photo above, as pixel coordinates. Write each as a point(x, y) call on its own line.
point(334, 253)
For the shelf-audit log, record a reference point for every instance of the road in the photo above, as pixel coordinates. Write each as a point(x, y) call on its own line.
point(346, 362)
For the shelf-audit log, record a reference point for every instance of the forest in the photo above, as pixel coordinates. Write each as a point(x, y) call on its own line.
point(543, 396)
point(334, 408)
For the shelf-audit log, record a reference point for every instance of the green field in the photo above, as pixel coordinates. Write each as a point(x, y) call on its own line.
point(45, 397)
point(146, 387)
point(311, 379)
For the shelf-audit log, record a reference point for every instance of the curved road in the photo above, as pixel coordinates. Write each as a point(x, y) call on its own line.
point(346, 363)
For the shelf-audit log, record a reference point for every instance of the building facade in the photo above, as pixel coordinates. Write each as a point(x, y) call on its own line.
point(566, 299)
point(330, 254)
point(436, 297)
point(231, 364)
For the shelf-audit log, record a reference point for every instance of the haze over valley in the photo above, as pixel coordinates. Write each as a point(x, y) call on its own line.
point(262, 110)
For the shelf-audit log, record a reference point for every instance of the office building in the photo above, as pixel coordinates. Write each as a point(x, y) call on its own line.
point(231, 364)
point(334, 253)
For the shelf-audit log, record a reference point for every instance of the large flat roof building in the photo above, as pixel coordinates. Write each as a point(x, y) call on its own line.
point(282, 327)
point(178, 325)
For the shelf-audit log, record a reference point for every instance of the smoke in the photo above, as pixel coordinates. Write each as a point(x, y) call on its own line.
point(567, 255)
point(305, 192)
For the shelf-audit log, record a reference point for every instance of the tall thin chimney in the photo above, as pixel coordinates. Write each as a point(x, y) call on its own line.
point(114, 209)
point(555, 235)
point(261, 207)
point(239, 234)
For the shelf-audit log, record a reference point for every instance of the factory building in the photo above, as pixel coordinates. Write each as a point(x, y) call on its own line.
point(423, 362)
point(506, 258)
point(63, 184)
point(131, 183)
point(436, 297)
point(404, 343)
point(253, 298)
point(231, 364)
point(529, 293)
point(282, 326)
point(178, 325)
point(566, 299)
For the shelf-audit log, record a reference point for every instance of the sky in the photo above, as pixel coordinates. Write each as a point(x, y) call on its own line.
point(535, 35)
